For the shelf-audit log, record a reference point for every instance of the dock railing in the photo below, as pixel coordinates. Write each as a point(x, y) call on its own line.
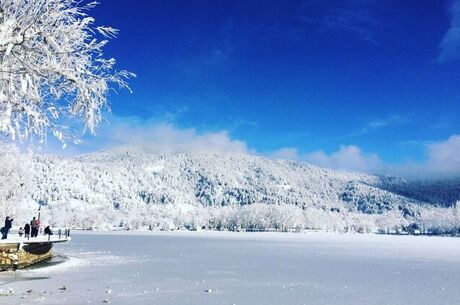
point(61, 234)
point(66, 234)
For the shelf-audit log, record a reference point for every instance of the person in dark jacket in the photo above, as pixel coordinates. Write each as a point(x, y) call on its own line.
point(48, 231)
point(35, 225)
point(7, 227)
point(27, 230)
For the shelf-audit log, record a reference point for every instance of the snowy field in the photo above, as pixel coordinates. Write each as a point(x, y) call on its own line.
point(242, 268)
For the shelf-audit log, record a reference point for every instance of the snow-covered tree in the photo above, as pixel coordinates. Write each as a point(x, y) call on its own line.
point(15, 182)
point(137, 188)
point(52, 68)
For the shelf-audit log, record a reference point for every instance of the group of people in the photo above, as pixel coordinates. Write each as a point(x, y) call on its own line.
point(30, 229)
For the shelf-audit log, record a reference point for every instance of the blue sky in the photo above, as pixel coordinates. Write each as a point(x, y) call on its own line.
point(306, 80)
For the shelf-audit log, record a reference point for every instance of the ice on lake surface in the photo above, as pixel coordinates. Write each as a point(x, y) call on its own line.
point(242, 268)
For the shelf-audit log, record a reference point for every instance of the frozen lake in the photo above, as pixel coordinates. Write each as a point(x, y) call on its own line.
point(242, 268)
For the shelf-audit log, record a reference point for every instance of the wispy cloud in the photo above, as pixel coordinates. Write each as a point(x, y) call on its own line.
point(357, 17)
point(419, 143)
point(169, 109)
point(208, 56)
point(380, 123)
point(443, 124)
point(449, 49)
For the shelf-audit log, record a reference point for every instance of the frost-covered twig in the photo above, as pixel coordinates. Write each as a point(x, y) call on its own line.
point(52, 66)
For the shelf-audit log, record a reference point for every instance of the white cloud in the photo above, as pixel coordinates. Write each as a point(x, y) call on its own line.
point(449, 48)
point(137, 132)
point(287, 153)
point(442, 160)
point(347, 158)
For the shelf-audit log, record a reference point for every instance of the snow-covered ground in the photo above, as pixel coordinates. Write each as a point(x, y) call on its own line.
point(242, 268)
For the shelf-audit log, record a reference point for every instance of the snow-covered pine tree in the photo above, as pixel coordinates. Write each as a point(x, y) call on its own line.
point(52, 67)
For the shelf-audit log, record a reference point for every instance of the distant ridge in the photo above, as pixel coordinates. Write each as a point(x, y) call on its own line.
point(138, 187)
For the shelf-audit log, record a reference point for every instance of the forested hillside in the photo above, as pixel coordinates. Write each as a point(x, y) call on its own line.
point(141, 187)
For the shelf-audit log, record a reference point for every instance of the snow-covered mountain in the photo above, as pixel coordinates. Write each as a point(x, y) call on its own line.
point(135, 187)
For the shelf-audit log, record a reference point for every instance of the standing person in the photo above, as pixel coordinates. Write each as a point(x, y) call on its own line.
point(21, 232)
point(7, 227)
point(27, 230)
point(34, 227)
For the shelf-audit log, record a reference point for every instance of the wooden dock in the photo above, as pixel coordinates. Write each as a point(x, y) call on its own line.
point(19, 253)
